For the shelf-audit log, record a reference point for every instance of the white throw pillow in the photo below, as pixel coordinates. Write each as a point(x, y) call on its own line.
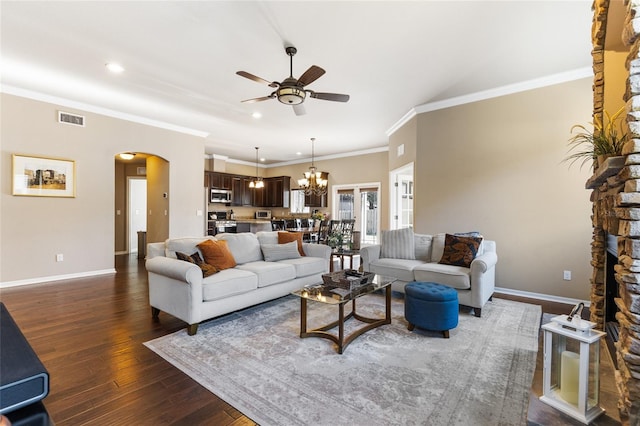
point(243, 246)
point(437, 247)
point(423, 247)
point(398, 244)
point(267, 237)
point(275, 252)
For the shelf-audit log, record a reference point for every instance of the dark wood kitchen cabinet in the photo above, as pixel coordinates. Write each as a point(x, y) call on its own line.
point(242, 194)
point(237, 188)
point(277, 192)
point(220, 180)
point(259, 195)
point(314, 200)
point(247, 195)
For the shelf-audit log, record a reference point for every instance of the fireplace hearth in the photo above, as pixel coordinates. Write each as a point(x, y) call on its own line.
point(615, 248)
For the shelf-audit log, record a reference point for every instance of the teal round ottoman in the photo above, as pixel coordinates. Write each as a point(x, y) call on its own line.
point(431, 306)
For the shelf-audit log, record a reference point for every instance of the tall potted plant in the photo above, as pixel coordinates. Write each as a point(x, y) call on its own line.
point(605, 140)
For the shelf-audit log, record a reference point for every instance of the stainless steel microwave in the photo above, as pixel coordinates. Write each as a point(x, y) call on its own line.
point(220, 196)
point(263, 214)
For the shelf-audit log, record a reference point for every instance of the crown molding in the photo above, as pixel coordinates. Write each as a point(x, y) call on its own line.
point(405, 118)
point(331, 156)
point(509, 89)
point(246, 163)
point(30, 94)
point(304, 160)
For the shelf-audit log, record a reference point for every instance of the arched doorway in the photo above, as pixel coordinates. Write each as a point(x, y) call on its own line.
point(154, 171)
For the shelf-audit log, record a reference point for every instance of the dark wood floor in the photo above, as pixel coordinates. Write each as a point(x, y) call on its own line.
point(89, 333)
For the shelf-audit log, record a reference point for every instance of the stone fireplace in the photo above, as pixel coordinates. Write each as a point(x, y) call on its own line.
point(615, 195)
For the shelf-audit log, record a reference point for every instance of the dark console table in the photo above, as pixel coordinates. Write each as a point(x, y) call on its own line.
point(24, 381)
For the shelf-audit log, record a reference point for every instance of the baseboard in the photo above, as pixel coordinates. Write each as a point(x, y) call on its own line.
point(541, 296)
point(40, 280)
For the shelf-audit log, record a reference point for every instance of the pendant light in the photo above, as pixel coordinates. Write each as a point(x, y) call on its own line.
point(314, 182)
point(257, 183)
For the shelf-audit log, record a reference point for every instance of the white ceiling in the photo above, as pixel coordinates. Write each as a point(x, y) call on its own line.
point(180, 60)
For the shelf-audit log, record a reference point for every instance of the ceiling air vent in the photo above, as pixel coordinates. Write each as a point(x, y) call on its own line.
point(68, 118)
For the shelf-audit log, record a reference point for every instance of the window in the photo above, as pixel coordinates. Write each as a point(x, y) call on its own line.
point(345, 204)
point(297, 202)
point(359, 202)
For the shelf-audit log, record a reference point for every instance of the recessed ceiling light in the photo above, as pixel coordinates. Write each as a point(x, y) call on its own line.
point(113, 67)
point(256, 115)
point(262, 159)
point(298, 153)
point(127, 155)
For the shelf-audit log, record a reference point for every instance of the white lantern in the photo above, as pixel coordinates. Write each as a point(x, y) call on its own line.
point(571, 371)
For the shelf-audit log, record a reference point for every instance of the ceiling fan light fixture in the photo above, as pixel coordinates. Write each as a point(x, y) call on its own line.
point(291, 95)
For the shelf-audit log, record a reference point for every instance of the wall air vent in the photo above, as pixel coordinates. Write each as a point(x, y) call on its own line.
point(141, 171)
point(68, 118)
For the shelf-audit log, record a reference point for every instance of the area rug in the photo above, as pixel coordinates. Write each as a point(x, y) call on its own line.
point(255, 360)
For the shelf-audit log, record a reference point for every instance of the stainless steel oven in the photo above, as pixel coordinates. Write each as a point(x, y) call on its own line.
point(226, 226)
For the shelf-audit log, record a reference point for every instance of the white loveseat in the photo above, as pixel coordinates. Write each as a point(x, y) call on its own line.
point(417, 260)
point(178, 287)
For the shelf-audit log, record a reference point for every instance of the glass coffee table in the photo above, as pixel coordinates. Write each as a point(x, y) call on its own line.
point(333, 295)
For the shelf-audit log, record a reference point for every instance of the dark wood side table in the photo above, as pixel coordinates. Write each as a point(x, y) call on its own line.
point(341, 255)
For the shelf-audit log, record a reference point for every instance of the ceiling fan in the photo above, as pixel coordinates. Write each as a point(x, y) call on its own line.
point(292, 91)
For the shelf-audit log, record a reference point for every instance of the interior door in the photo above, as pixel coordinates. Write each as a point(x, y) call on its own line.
point(401, 206)
point(137, 190)
point(369, 213)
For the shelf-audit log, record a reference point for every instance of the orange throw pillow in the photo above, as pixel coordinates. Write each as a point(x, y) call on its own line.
point(217, 253)
point(287, 237)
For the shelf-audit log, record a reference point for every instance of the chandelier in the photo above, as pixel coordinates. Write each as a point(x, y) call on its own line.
point(257, 182)
point(314, 182)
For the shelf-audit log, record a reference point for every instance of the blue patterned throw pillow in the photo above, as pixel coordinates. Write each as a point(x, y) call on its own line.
point(460, 251)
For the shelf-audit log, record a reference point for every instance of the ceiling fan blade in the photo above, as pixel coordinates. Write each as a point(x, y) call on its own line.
point(263, 98)
point(337, 97)
point(257, 79)
point(312, 74)
point(299, 109)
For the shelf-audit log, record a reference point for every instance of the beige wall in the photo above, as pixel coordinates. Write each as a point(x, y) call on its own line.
point(159, 205)
point(34, 229)
point(407, 135)
point(615, 87)
point(120, 199)
point(495, 166)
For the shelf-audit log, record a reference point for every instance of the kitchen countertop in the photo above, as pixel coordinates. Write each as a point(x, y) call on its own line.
point(252, 221)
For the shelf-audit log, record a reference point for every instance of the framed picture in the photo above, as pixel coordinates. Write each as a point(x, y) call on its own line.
point(43, 177)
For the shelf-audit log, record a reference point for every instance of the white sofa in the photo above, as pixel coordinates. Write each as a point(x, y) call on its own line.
point(178, 287)
point(419, 262)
